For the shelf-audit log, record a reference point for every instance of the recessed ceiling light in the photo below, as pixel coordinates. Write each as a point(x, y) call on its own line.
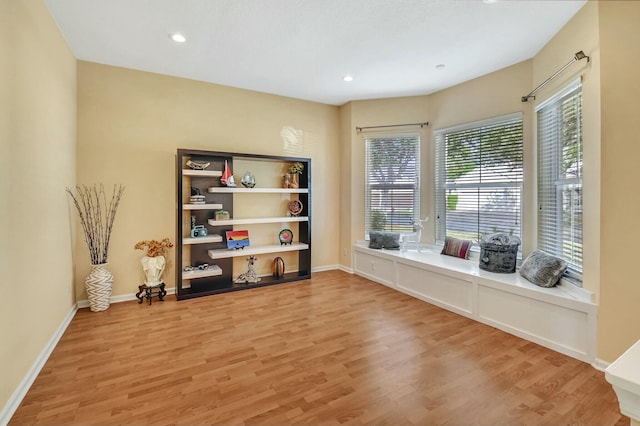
point(178, 38)
point(489, 1)
point(440, 67)
point(347, 78)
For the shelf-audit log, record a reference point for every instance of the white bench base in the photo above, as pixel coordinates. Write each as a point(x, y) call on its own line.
point(562, 318)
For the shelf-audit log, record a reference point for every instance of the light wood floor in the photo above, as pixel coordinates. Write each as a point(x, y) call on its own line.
point(333, 350)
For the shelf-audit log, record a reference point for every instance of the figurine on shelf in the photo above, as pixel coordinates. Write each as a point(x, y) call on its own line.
point(250, 276)
point(248, 180)
point(227, 176)
point(194, 165)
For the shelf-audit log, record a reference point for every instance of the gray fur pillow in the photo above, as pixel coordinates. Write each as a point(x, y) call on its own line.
point(543, 269)
point(387, 240)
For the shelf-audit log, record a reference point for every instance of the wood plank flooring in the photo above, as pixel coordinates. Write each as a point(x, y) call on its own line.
point(333, 350)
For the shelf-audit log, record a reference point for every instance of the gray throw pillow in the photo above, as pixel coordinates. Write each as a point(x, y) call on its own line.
point(387, 240)
point(543, 269)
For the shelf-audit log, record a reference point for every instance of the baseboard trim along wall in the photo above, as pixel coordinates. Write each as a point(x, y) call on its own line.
point(18, 395)
point(600, 364)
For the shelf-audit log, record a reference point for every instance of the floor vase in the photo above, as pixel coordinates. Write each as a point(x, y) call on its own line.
point(99, 284)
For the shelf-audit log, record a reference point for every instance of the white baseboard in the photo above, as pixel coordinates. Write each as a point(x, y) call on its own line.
point(121, 298)
point(18, 395)
point(600, 364)
point(345, 269)
point(324, 268)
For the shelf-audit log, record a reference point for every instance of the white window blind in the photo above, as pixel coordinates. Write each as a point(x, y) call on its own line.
point(560, 176)
point(479, 178)
point(392, 182)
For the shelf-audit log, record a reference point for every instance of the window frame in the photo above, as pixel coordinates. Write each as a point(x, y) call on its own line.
point(574, 271)
point(414, 186)
point(440, 180)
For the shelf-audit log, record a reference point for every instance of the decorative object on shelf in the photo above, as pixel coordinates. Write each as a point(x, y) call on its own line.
point(153, 262)
point(227, 176)
point(291, 179)
point(196, 165)
point(201, 267)
point(199, 231)
point(97, 217)
point(277, 267)
point(286, 237)
point(248, 180)
point(250, 276)
point(197, 199)
point(286, 181)
point(294, 207)
point(237, 239)
point(222, 215)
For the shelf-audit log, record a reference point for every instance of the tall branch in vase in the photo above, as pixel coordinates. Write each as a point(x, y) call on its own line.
point(96, 217)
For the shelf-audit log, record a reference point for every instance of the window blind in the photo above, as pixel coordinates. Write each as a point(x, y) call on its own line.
point(478, 181)
point(560, 176)
point(392, 182)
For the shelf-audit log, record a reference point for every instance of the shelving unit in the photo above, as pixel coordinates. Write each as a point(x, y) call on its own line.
point(261, 210)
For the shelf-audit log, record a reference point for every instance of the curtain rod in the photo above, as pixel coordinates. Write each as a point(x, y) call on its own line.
point(577, 57)
point(426, 123)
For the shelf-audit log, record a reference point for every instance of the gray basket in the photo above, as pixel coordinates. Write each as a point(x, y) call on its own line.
point(499, 253)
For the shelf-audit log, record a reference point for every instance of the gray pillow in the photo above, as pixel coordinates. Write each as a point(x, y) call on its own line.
point(543, 269)
point(387, 240)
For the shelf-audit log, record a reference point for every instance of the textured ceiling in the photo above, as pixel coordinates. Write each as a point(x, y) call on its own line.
point(303, 48)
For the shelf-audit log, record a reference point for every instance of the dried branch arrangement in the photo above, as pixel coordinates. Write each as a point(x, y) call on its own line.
point(96, 217)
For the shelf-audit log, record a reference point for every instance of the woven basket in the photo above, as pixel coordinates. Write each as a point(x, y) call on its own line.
point(99, 283)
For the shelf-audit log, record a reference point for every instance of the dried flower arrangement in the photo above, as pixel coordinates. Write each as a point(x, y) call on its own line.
point(296, 168)
point(154, 247)
point(96, 217)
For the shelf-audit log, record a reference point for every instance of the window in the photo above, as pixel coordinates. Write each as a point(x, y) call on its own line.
point(392, 182)
point(478, 175)
point(560, 176)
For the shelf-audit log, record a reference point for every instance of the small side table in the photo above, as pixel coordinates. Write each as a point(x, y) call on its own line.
point(150, 292)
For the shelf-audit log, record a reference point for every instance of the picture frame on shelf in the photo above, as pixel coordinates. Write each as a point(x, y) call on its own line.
point(237, 239)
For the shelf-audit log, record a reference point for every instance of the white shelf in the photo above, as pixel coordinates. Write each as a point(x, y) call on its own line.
point(187, 206)
point(210, 173)
point(247, 251)
point(223, 190)
point(203, 240)
point(212, 271)
point(214, 222)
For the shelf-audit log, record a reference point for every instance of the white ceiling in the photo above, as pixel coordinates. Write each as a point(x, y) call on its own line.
point(303, 48)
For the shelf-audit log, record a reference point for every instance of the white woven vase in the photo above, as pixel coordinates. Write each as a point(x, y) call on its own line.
point(99, 283)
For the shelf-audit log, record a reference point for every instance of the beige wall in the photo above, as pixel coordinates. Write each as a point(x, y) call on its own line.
point(37, 162)
point(619, 316)
point(130, 124)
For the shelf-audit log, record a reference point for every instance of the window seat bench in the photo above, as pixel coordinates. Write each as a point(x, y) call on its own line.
point(562, 318)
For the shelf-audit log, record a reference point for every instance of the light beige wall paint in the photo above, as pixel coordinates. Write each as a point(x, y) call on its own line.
point(346, 177)
point(619, 316)
point(37, 162)
point(130, 124)
point(580, 33)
